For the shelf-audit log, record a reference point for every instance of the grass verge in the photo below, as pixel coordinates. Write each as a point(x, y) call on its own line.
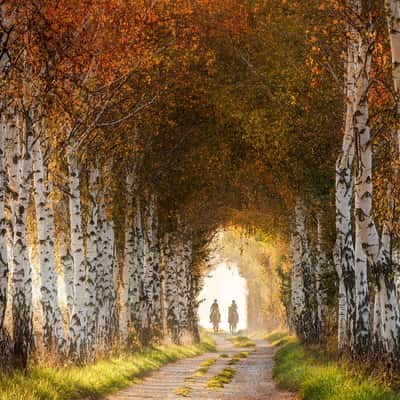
point(95, 380)
point(241, 341)
point(314, 377)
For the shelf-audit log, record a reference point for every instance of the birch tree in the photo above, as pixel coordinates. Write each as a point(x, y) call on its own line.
point(67, 262)
point(128, 273)
point(171, 288)
point(22, 270)
point(92, 260)
point(52, 327)
point(344, 248)
point(297, 290)
point(139, 296)
point(77, 327)
point(3, 230)
point(152, 285)
point(155, 249)
point(393, 19)
point(107, 280)
point(363, 186)
point(320, 288)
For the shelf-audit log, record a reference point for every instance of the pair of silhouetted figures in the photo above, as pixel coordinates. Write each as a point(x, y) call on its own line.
point(233, 316)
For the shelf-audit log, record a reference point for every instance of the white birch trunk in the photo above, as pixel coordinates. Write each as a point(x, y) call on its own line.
point(386, 291)
point(155, 248)
point(67, 262)
point(379, 255)
point(366, 235)
point(189, 302)
point(181, 275)
point(92, 257)
point(52, 325)
point(107, 296)
point(297, 293)
point(129, 258)
point(320, 266)
point(3, 229)
point(4, 253)
point(107, 281)
point(344, 248)
point(171, 289)
point(77, 327)
point(140, 268)
point(112, 268)
point(134, 279)
point(309, 315)
point(152, 278)
point(102, 277)
point(393, 18)
point(22, 270)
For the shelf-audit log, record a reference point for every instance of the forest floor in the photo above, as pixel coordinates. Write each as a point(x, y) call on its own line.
point(232, 372)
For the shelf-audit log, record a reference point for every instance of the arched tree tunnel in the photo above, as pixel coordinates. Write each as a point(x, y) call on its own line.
point(138, 140)
point(244, 268)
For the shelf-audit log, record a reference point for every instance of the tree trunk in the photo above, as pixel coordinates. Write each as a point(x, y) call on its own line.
point(67, 262)
point(92, 256)
point(309, 314)
point(387, 338)
point(393, 18)
point(106, 324)
point(53, 333)
point(77, 327)
point(181, 274)
point(297, 293)
point(113, 279)
point(152, 277)
point(107, 293)
point(128, 273)
point(320, 288)
point(344, 248)
point(155, 249)
point(140, 298)
point(367, 240)
point(171, 289)
point(139, 266)
point(22, 271)
point(3, 230)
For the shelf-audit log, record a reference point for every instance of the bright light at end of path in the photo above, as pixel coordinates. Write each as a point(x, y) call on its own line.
point(225, 284)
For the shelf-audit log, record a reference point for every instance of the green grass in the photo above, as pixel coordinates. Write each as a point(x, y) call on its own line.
point(96, 380)
point(277, 338)
point(314, 377)
point(241, 341)
point(184, 391)
point(202, 370)
point(238, 357)
point(222, 379)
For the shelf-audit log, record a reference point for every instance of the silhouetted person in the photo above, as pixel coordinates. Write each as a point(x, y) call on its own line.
point(215, 316)
point(233, 317)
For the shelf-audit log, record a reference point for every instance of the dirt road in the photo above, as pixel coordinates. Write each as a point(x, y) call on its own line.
point(190, 378)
